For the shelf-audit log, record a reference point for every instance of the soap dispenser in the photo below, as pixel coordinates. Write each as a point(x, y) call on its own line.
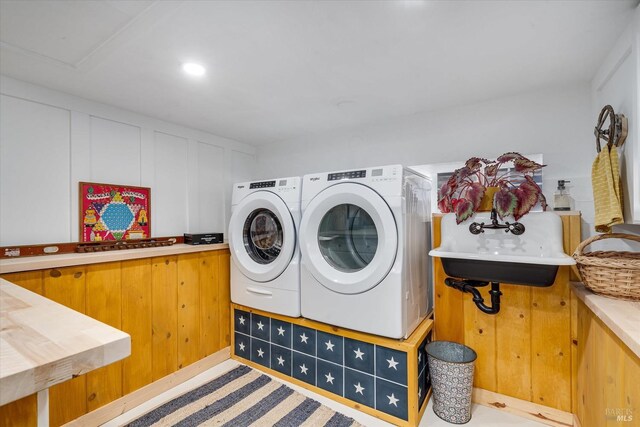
point(561, 198)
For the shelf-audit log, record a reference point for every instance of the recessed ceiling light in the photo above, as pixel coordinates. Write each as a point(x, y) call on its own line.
point(193, 69)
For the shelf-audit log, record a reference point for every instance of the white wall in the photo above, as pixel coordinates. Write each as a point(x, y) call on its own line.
point(557, 122)
point(49, 141)
point(617, 83)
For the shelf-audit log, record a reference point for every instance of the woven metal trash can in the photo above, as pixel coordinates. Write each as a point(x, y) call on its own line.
point(451, 367)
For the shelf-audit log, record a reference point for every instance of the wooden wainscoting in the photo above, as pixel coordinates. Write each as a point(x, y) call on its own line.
point(528, 350)
point(608, 377)
point(176, 309)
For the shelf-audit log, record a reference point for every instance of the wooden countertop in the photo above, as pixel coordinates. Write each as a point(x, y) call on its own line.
point(622, 317)
point(65, 260)
point(43, 343)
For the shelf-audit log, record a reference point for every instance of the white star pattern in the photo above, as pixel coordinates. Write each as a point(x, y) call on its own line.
point(330, 346)
point(392, 363)
point(392, 400)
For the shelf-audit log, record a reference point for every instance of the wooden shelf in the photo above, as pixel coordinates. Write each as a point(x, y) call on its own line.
point(67, 260)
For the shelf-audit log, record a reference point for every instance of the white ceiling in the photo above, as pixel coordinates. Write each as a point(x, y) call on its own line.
point(281, 69)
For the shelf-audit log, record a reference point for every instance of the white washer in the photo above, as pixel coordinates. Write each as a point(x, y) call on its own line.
point(265, 267)
point(364, 239)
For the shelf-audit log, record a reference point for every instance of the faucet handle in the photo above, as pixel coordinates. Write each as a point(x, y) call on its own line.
point(515, 228)
point(476, 228)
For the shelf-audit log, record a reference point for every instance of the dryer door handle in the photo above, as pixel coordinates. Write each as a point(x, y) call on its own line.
point(259, 291)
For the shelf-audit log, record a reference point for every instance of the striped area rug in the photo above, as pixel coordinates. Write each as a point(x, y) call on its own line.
point(243, 397)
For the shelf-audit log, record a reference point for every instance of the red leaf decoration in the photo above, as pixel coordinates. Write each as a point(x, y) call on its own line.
point(463, 173)
point(474, 194)
point(475, 163)
point(449, 187)
point(453, 179)
point(444, 198)
point(525, 165)
point(445, 205)
point(491, 170)
point(543, 201)
point(505, 203)
point(465, 188)
point(528, 194)
point(444, 191)
point(463, 209)
point(509, 157)
point(532, 181)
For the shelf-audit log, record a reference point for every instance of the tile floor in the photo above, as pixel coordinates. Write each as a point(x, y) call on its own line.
point(481, 415)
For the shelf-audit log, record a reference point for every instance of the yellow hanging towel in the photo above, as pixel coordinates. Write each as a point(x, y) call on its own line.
point(607, 193)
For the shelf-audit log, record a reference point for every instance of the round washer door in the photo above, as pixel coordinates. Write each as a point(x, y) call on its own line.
point(262, 236)
point(348, 238)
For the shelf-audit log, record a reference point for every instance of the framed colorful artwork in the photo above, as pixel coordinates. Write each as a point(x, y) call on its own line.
point(114, 212)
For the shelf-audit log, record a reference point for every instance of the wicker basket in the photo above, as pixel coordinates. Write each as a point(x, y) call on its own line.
point(614, 274)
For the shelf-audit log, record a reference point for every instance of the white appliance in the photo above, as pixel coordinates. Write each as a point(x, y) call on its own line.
point(265, 267)
point(364, 239)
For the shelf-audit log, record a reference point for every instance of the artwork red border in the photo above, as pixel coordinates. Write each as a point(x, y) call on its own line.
point(113, 212)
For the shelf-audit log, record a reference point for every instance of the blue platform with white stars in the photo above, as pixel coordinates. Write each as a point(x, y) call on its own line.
point(366, 373)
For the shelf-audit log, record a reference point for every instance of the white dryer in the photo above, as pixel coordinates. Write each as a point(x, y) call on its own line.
point(265, 267)
point(364, 239)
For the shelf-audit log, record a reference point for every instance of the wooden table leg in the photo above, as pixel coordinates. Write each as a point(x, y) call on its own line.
point(43, 408)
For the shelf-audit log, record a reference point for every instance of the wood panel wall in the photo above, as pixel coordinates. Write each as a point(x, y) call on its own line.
point(176, 309)
point(528, 350)
point(608, 375)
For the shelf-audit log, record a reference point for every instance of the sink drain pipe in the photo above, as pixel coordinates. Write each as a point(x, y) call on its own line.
point(470, 286)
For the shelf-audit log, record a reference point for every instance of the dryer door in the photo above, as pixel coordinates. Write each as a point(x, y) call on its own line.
point(262, 236)
point(348, 238)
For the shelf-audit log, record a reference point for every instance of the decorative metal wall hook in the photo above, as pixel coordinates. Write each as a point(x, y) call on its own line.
point(616, 133)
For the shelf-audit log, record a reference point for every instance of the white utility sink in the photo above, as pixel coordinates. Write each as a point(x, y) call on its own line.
point(497, 255)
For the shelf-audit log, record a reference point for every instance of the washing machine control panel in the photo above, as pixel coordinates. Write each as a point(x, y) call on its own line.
point(263, 184)
point(347, 175)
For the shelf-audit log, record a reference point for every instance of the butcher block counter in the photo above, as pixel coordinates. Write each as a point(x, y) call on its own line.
point(43, 343)
point(13, 265)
